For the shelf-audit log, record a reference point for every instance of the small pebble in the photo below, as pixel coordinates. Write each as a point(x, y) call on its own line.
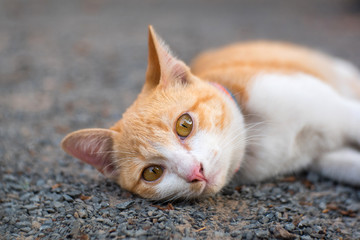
point(262, 233)
point(82, 213)
point(44, 227)
point(23, 224)
point(289, 226)
point(35, 198)
point(306, 237)
point(31, 207)
point(74, 193)
point(68, 198)
point(124, 205)
point(58, 205)
point(50, 210)
point(25, 229)
point(235, 234)
point(35, 225)
point(25, 197)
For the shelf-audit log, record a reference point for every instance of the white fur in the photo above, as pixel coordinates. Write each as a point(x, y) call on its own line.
point(342, 165)
point(304, 119)
point(345, 77)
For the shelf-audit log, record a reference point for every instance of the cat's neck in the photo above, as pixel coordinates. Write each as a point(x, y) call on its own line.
point(237, 81)
point(225, 90)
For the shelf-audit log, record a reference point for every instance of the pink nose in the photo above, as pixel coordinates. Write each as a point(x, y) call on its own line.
point(197, 174)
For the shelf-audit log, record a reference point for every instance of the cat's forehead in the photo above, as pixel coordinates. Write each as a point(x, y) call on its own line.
point(154, 116)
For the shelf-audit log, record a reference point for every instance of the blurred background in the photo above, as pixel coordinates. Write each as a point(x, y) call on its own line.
point(67, 64)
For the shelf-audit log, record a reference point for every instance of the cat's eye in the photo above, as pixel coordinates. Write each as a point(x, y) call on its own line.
point(152, 173)
point(184, 125)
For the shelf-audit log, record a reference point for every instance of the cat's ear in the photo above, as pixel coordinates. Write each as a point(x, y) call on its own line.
point(92, 146)
point(163, 68)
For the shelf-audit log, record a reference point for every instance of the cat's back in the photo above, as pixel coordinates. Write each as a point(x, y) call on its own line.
point(242, 61)
point(262, 55)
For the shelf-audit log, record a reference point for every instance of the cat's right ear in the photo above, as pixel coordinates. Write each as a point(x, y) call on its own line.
point(163, 68)
point(94, 147)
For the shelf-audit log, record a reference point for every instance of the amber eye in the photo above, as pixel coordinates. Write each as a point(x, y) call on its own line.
point(184, 125)
point(152, 173)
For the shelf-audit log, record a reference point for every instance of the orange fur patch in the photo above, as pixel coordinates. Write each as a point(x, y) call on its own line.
point(236, 65)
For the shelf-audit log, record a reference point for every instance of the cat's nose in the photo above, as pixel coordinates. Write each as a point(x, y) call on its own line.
point(196, 174)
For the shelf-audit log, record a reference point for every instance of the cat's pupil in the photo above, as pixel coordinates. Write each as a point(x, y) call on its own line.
point(184, 125)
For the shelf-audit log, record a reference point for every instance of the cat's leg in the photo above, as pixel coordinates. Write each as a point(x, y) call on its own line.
point(342, 165)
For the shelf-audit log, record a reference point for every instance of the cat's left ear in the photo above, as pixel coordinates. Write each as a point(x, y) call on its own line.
point(94, 147)
point(163, 68)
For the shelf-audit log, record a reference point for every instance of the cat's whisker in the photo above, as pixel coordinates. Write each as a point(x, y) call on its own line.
point(255, 125)
point(247, 138)
point(231, 139)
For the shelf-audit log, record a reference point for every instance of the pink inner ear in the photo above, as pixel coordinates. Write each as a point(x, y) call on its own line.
point(93, 147)
point(178, 71)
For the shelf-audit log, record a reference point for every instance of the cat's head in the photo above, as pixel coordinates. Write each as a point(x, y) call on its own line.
point(181, 138)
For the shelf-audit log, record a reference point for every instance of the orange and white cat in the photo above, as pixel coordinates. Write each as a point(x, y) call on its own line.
point(255, 109)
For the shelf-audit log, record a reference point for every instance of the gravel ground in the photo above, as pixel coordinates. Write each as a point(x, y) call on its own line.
point(66, 65)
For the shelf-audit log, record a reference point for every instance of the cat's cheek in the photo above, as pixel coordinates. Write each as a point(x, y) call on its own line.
point(142, 190)
point(170, 185)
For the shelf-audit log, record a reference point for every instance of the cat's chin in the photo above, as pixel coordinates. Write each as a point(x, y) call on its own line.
point(203, 190)
point(210, 190)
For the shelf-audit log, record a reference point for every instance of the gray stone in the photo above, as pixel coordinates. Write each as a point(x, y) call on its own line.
point(139, 233)
point(23, 224)
point(9, 178)
point(50, 210)
point(31, 207)
point(82, 213)
point(289, 226)
point(44, 227)
point(68, 198)
point(124, 205)
point(236, 234)
point(25, 229)
point(306, 237)
point(262, 233)
point(248, 235)
point(74, 193)
point(58, 205)
point(35, 198)
point(25, 196)
point(75, 228)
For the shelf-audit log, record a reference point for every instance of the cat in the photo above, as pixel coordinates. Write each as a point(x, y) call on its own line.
point(253, 109)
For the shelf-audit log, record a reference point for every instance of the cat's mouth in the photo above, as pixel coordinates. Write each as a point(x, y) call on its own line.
point(207, 185)
point(199, 187)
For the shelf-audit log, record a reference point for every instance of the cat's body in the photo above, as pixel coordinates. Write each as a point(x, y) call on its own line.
point(298, 106)
point(186, 137)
